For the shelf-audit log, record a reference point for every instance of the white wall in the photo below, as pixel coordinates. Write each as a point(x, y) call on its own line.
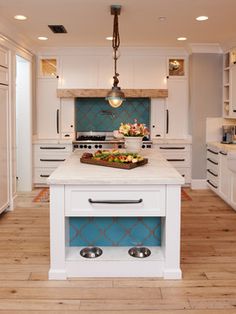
point(23, 125)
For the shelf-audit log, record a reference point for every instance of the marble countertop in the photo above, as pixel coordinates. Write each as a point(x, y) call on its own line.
point(223, 147)
point(157, 171)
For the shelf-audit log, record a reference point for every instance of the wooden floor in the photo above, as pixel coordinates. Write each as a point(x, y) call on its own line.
point(208, 264)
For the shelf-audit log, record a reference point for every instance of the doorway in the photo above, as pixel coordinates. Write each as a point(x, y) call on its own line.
point(23, 125)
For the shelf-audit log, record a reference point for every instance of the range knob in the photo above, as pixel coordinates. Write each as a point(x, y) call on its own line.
point(85, 146)
point(89, 146)
point(96, 146)
point(120, 146)
point(149, 146)
point(143, 146)
point(81, 146)
point(100, 146)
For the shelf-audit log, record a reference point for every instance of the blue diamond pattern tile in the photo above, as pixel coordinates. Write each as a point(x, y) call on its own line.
point(115, 231)
point(95, 114)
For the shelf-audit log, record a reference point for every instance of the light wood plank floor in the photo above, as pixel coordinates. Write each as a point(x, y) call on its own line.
point(208, 264)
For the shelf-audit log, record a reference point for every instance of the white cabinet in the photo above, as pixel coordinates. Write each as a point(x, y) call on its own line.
point(233, 189)
point(177, 108)
point(158, 123)
point(79, 72)
point(224, 176)
point(48, 105)
point(3, 57)
point(4, 149)
point(47, 157)
point(179, 155)
point(213, 168)
point(232, 93)
point(67, 116)
point(149, 72)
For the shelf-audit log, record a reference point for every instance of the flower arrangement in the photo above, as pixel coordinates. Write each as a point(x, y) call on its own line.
point(136, 129)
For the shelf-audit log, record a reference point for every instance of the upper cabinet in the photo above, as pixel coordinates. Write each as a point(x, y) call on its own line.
point(96, 71)
point(3, 58)
point(229, 84)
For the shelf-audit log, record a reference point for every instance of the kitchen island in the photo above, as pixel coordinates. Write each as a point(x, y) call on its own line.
point(78, 191)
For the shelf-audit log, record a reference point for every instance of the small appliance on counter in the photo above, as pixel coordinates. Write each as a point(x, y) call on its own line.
point(228, 134)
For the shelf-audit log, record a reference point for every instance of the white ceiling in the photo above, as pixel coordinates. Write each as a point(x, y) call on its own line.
point(88, 22)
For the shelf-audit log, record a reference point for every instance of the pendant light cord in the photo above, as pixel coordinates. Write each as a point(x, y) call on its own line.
point(115, 46)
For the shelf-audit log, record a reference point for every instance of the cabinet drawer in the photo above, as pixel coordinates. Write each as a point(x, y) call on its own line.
point(173, 148)
point(115, 201)
point(212, 166)
point(43, 148)
point(4, 76)
point(213, 178)
point(49, 160)
point(212, 155)
point(179, 159)
point(186, 173)
point(212, 184)
point(41, 175)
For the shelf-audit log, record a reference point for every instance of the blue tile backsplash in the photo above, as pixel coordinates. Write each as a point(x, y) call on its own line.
point(115, 231)
point(95, 114)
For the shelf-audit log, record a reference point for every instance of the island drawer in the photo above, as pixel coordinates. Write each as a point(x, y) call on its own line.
point(52, 148)
point(49, 160)
point(115, 201)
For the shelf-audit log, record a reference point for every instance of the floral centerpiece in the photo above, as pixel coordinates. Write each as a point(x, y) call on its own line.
point(133, 134)
point(136, 129)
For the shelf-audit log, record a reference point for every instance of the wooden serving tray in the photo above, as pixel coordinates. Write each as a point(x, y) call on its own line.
point(114, 164)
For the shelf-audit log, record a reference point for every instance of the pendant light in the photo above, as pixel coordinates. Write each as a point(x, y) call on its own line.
point(115, 96)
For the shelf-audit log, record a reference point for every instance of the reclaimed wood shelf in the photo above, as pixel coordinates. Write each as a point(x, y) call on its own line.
point(119, 165)
point(129, 93)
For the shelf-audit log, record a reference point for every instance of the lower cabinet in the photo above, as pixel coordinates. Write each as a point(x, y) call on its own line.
point(47, 157)
point(224, 177)
point(220, 179)
point(179, 155)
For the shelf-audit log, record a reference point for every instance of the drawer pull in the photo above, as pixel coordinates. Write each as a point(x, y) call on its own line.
point(162, 147)
point(48, 147)
point(214, 186)
point(213, 162)
point(215, 175)
point(44, 175)
point(115, 201)
point(222, 153)
point(173, 159)
point(52, 159)
point(212, 151)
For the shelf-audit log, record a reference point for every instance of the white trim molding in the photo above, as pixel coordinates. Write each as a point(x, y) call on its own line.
point(197, 184)
point(205, 48)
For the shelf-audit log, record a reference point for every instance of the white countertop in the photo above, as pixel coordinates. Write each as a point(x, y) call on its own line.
point(224, 147)
point(157, 171)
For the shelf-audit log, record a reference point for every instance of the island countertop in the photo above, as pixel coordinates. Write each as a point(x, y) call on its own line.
point(157, 171)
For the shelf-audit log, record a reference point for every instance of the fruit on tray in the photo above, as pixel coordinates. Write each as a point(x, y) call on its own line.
point(114, 156)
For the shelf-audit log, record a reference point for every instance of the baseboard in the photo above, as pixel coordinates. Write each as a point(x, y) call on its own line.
point(199, 184)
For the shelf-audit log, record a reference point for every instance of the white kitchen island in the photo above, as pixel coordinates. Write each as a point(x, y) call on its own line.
point(83, 190)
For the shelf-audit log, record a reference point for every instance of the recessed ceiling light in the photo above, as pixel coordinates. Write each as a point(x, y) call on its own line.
point(162, 18)
point(20, 17)
point(109, 38)
point(42, 38)
point(202, 18)
point(181, 38)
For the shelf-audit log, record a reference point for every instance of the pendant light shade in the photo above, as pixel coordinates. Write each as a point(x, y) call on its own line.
point(115, 96)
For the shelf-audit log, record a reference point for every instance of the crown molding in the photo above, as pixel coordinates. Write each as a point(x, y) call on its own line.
point(205, 48)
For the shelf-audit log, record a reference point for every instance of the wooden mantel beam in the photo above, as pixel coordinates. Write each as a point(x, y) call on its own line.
point(129, 93)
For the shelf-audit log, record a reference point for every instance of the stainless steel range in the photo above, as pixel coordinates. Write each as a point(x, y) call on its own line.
point(97, 140)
